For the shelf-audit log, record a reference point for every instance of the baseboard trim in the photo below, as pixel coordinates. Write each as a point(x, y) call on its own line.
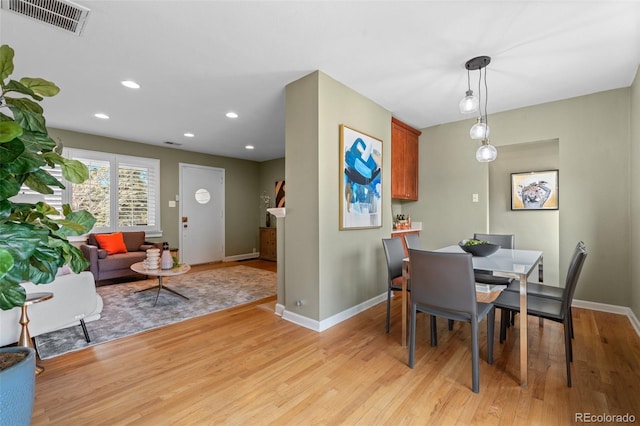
point(279, 309)
point(613, 309)
point(325, 324)
point(237, 257)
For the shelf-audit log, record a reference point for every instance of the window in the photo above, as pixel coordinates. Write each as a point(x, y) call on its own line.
point(122, 192)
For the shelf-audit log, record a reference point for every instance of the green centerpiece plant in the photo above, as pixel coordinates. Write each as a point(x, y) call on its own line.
point(33, 237)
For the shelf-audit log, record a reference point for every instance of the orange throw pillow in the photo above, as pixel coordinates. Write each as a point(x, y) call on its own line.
point(112, 243)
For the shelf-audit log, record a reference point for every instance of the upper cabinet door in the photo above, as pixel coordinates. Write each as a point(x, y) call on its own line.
point(404, 161)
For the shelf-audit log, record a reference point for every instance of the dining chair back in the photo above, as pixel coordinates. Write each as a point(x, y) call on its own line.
point(506, 241)
point(442, 284)
point(558, 310)
point(413, 241)
point(394, 253)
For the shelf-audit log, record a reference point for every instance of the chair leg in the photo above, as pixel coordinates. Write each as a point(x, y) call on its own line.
point(571, 323)
point(388, 306)
point(434, 331)
point(567, 349)
point(450, 325)
point(504, 318)
point(491, 321)
point(84, 330)
point(475, 357)
point(412, 335)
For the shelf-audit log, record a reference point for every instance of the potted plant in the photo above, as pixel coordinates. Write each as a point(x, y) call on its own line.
point(33, 237)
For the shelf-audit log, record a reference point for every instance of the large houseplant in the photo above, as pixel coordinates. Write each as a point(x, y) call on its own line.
point(33, 237)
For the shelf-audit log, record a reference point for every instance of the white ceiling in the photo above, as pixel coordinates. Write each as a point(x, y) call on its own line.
point(196, 60)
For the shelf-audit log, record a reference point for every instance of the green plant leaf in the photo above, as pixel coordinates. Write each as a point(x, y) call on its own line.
point(9, 130)
point(76, 223)
point(29, 120)
point(40, 86)
point(75, 171)
point(11, 294)
point(24, 104)
point(6, 261)
point(10, 150)
point(10, 187)
point(6, 61)
point(15, 86)
point(41, 181)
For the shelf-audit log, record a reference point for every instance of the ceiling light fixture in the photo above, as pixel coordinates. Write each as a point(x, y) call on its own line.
point(249, 147)
point(232, 114)
point(130, 84)
point(480, 130)
point(189, 135)
point(101, 115)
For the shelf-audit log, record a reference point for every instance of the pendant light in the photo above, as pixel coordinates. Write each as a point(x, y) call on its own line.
point(480, 130)
point(469, 103)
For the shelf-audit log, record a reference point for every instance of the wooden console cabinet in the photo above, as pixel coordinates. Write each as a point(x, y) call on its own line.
point(404, 161)
point(268, 244)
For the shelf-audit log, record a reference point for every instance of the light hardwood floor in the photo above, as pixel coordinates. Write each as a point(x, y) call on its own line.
point(249, 366)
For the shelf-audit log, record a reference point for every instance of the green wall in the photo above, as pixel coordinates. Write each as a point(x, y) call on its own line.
point(327, 269)
point(593, 134)
point(242, 186)
point(526, 225)
point(634, 253)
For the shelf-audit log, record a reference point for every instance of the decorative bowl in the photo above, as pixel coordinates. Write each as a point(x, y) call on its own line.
point(481, 250)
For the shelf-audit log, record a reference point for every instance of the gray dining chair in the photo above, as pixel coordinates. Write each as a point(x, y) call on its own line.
point(442, 285)
point(547, 308)
point(506, 241)
point(413, 241)
point(545, 290)
point(394, 253)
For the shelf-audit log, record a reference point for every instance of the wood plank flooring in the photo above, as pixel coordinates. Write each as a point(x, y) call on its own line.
point(248, 366)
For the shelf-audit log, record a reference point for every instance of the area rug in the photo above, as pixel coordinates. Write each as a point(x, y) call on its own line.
point(126, 312)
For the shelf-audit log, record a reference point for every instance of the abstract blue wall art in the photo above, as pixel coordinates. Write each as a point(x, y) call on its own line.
point(360, 180)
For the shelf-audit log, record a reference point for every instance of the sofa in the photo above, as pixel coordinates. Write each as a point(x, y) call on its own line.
point(105, 266)
point(74, 298)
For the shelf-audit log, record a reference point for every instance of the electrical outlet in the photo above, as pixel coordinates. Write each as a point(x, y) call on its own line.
point(474, 198)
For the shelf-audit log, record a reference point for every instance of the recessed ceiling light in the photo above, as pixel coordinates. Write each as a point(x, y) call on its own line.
point(249, 147)
point(130, 84)
point(189, 135)
point(232, 115)
point(101, 115)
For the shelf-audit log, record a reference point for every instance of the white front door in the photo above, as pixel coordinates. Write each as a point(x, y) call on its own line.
point(201, 214)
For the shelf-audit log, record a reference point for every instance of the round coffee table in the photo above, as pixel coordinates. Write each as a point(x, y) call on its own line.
point(160, 273)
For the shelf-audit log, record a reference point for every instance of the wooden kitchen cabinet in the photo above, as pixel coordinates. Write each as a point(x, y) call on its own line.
point(268, 244)
point(404, 161)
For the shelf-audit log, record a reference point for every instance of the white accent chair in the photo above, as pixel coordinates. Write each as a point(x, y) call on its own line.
point(74, 299)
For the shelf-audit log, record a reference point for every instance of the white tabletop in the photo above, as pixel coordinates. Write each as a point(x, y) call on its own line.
point(508, 261)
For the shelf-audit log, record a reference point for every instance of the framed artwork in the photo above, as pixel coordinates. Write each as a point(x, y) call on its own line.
point(534, 190)
point(360, 180)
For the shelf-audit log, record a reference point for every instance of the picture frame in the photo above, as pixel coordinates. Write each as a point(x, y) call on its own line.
point(360, 180)
point(538, 190)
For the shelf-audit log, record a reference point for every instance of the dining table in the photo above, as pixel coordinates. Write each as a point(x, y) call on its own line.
point(508, 263)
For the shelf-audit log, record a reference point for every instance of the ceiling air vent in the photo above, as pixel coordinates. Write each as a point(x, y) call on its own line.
point(59, 13)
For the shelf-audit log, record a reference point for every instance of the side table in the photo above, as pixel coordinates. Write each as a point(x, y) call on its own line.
point(25, 337)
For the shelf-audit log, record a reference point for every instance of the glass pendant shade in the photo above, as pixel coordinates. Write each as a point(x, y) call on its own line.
point(469, 103)
point(486, 152)
point(479, 130)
